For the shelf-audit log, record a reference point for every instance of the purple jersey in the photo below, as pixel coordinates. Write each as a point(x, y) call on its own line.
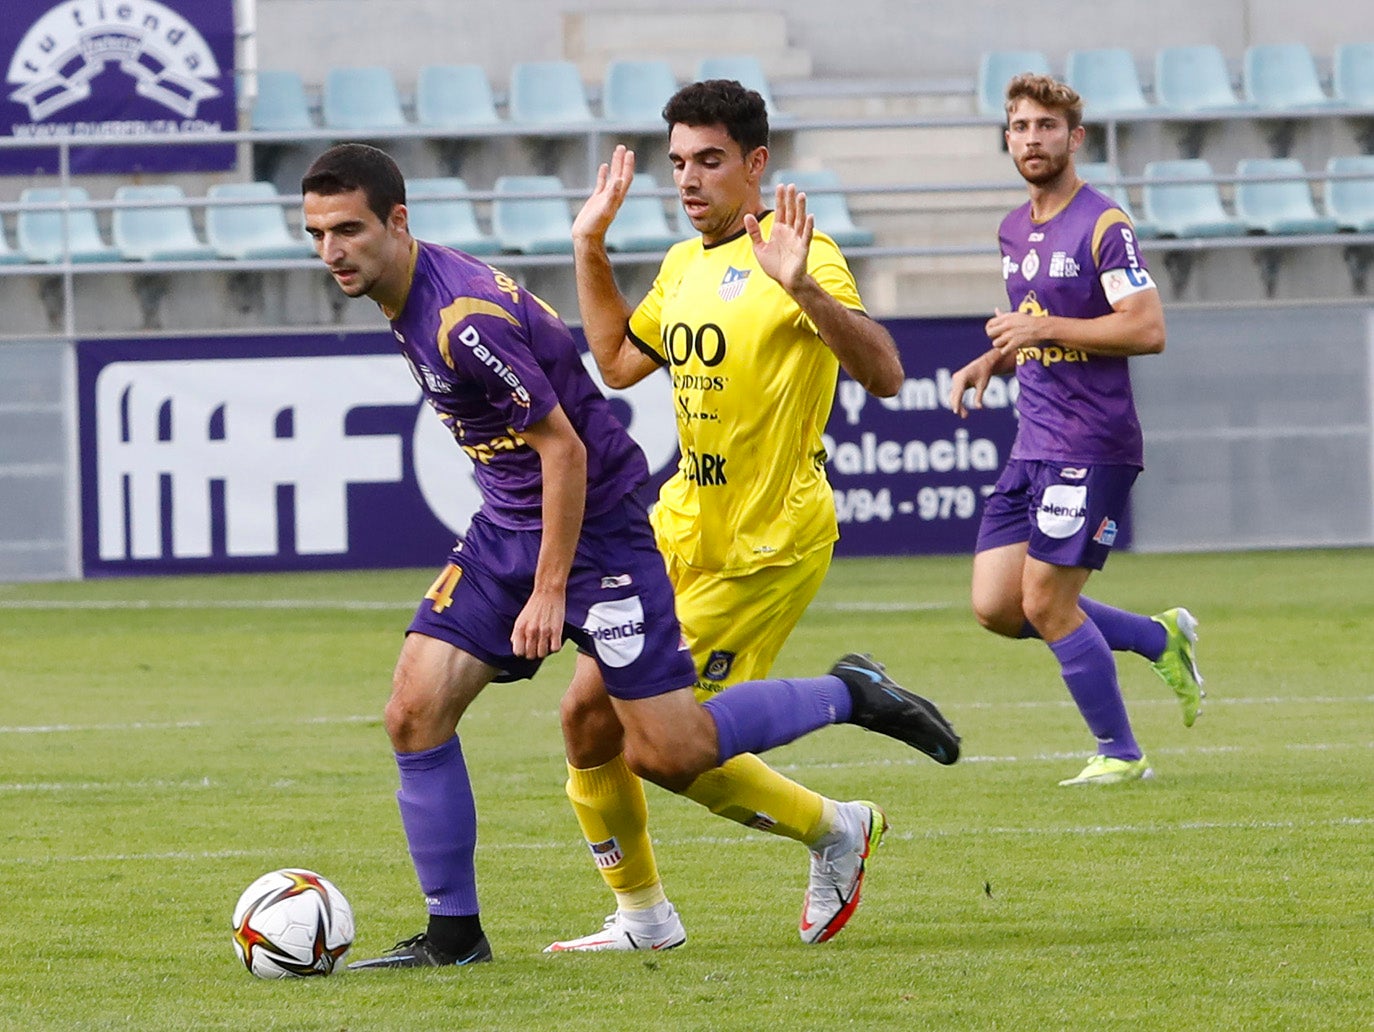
point(1073, 406)
point(493, 359)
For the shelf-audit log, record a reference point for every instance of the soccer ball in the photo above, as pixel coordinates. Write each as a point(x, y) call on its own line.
point(292, 923)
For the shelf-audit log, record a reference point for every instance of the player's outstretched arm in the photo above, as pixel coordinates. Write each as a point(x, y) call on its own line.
point(865, 349)
point(605, 312)
point(538, 629)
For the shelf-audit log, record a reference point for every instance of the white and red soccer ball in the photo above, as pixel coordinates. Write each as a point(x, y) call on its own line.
point(292, 923)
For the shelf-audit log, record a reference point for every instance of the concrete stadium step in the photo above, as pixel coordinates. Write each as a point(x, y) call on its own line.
point(682, 38)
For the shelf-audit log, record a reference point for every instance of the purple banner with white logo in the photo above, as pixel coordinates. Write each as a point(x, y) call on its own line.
point(909, 475)
point(316, 452)
point(136, 69)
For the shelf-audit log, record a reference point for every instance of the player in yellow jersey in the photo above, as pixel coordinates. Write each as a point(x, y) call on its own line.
point(753, 320)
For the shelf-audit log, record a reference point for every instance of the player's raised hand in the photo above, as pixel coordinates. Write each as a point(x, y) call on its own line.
point(783, 255)
point(612, 183)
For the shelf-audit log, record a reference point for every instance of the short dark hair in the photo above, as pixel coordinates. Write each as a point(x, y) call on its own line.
point(1049, 93)
point(721, 102)
point(356, 166)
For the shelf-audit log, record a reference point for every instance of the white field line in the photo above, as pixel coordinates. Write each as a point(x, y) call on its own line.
point(351, 605)
point(744, 838)
point(1045, 757)
point(178, 725)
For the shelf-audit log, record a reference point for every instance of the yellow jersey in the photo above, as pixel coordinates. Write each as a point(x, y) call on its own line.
point(753, 385)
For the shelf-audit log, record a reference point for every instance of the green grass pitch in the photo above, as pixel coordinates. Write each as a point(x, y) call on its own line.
point(164, 742)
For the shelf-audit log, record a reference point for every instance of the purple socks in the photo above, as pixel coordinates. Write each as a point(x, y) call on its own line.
point(756, 716)
point(1125, 631)
point(440, 820)
point(1086, 662)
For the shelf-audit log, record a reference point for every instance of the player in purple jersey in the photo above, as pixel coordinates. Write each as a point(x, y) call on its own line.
point(1081, 304)
point(559, 549)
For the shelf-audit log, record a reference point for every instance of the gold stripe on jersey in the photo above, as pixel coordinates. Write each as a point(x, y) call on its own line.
point(1105, 221)
point(753, 385)
point(459, 309)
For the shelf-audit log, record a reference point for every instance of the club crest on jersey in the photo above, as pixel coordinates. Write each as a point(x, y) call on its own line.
point(732, 284)
point(1030, 264)
point(718, 665)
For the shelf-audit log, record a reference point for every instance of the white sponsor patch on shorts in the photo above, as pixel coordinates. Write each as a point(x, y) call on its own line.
point(1063, 509)
point(617, 630)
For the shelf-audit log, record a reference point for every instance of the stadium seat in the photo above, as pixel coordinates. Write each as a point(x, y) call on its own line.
point(248, 231)
point(1106, 177)
point(1194, 78)
point(635, 91)
point(358, 99)
point(548, 92)
point(1280, 207)
point(8, 256)
point(830, 209)
point(641, 224)
point(156, 234)
point(532, 225)
point(996, 68)
point(1179, 209)
point(1107, 81)
point(1352, 74)
point(281, 105)
point(1282, 76)
point(454, 97)
point(40, 232)
point(1351, 201)
point(450, 221)
point(746, 70)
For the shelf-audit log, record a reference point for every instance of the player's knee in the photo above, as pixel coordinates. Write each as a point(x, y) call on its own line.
point(999, 617)
point(592, 734)
point(673, 769)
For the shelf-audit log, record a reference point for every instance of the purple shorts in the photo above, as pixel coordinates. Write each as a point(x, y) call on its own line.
point(619, 602)
point(1068, 513)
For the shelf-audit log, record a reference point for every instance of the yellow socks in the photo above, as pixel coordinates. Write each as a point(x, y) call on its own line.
point(610, 807)
point(746, 790)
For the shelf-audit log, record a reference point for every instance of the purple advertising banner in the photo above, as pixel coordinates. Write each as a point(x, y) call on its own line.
point(316, 452)
point(129, 68)
point(909, 475)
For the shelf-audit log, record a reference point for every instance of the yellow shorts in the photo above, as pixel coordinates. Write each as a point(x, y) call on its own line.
point(736, 626)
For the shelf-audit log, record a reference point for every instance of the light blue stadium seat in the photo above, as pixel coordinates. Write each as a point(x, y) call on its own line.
point(1107, 80)
point(454, 97)
point(450, 221)
point(1351, 201)
point(1195, 78)
point(641, 224)
point(248, 231)
point(1283, 76)
point(40, 232)
point(9, 256)
point(1277, 207)
point(281, 104)
point(156, 234)
point(533, 225)
point(746, 70)
point(1352, 74)
point(1106, 177)
point(635, 91)
point(549, 92)
point(361, 98)
point(1178, 209)
point(831, 210)
point(996, 68)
